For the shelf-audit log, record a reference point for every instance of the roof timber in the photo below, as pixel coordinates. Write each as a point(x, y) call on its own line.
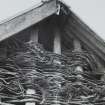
point(27, 19)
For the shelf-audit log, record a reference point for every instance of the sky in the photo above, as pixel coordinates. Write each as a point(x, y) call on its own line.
point(90, 11)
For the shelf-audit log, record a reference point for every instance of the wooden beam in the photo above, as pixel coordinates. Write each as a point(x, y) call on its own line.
point(27, 19)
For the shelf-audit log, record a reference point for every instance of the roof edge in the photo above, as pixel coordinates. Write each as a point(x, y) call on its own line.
point(27, 18)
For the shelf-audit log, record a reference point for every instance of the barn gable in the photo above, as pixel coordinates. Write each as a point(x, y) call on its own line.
point(48, 48)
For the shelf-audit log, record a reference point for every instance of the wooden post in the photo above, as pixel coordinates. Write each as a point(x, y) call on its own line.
point(57, 50)
point(34, 38)
point(57, 43)
point(34, 34)
point(77, 47)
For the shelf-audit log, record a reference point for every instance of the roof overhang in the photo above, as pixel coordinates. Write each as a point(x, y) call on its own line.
point(27, 18)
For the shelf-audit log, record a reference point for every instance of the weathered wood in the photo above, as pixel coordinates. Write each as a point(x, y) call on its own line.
point(27, 19)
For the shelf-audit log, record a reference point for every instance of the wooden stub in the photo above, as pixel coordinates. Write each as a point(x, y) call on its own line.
point(34, 34)
point(30, 92)
point(27, 19)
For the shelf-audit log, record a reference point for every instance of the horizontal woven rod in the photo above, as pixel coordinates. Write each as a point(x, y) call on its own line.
point(2, 103)
point(23, 100)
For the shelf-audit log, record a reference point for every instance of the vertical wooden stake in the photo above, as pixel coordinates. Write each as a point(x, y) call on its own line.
point(34, 38)
point(57, 43)
point(77, 47)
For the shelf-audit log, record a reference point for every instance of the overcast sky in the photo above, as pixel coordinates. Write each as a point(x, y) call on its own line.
point(92, 12)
